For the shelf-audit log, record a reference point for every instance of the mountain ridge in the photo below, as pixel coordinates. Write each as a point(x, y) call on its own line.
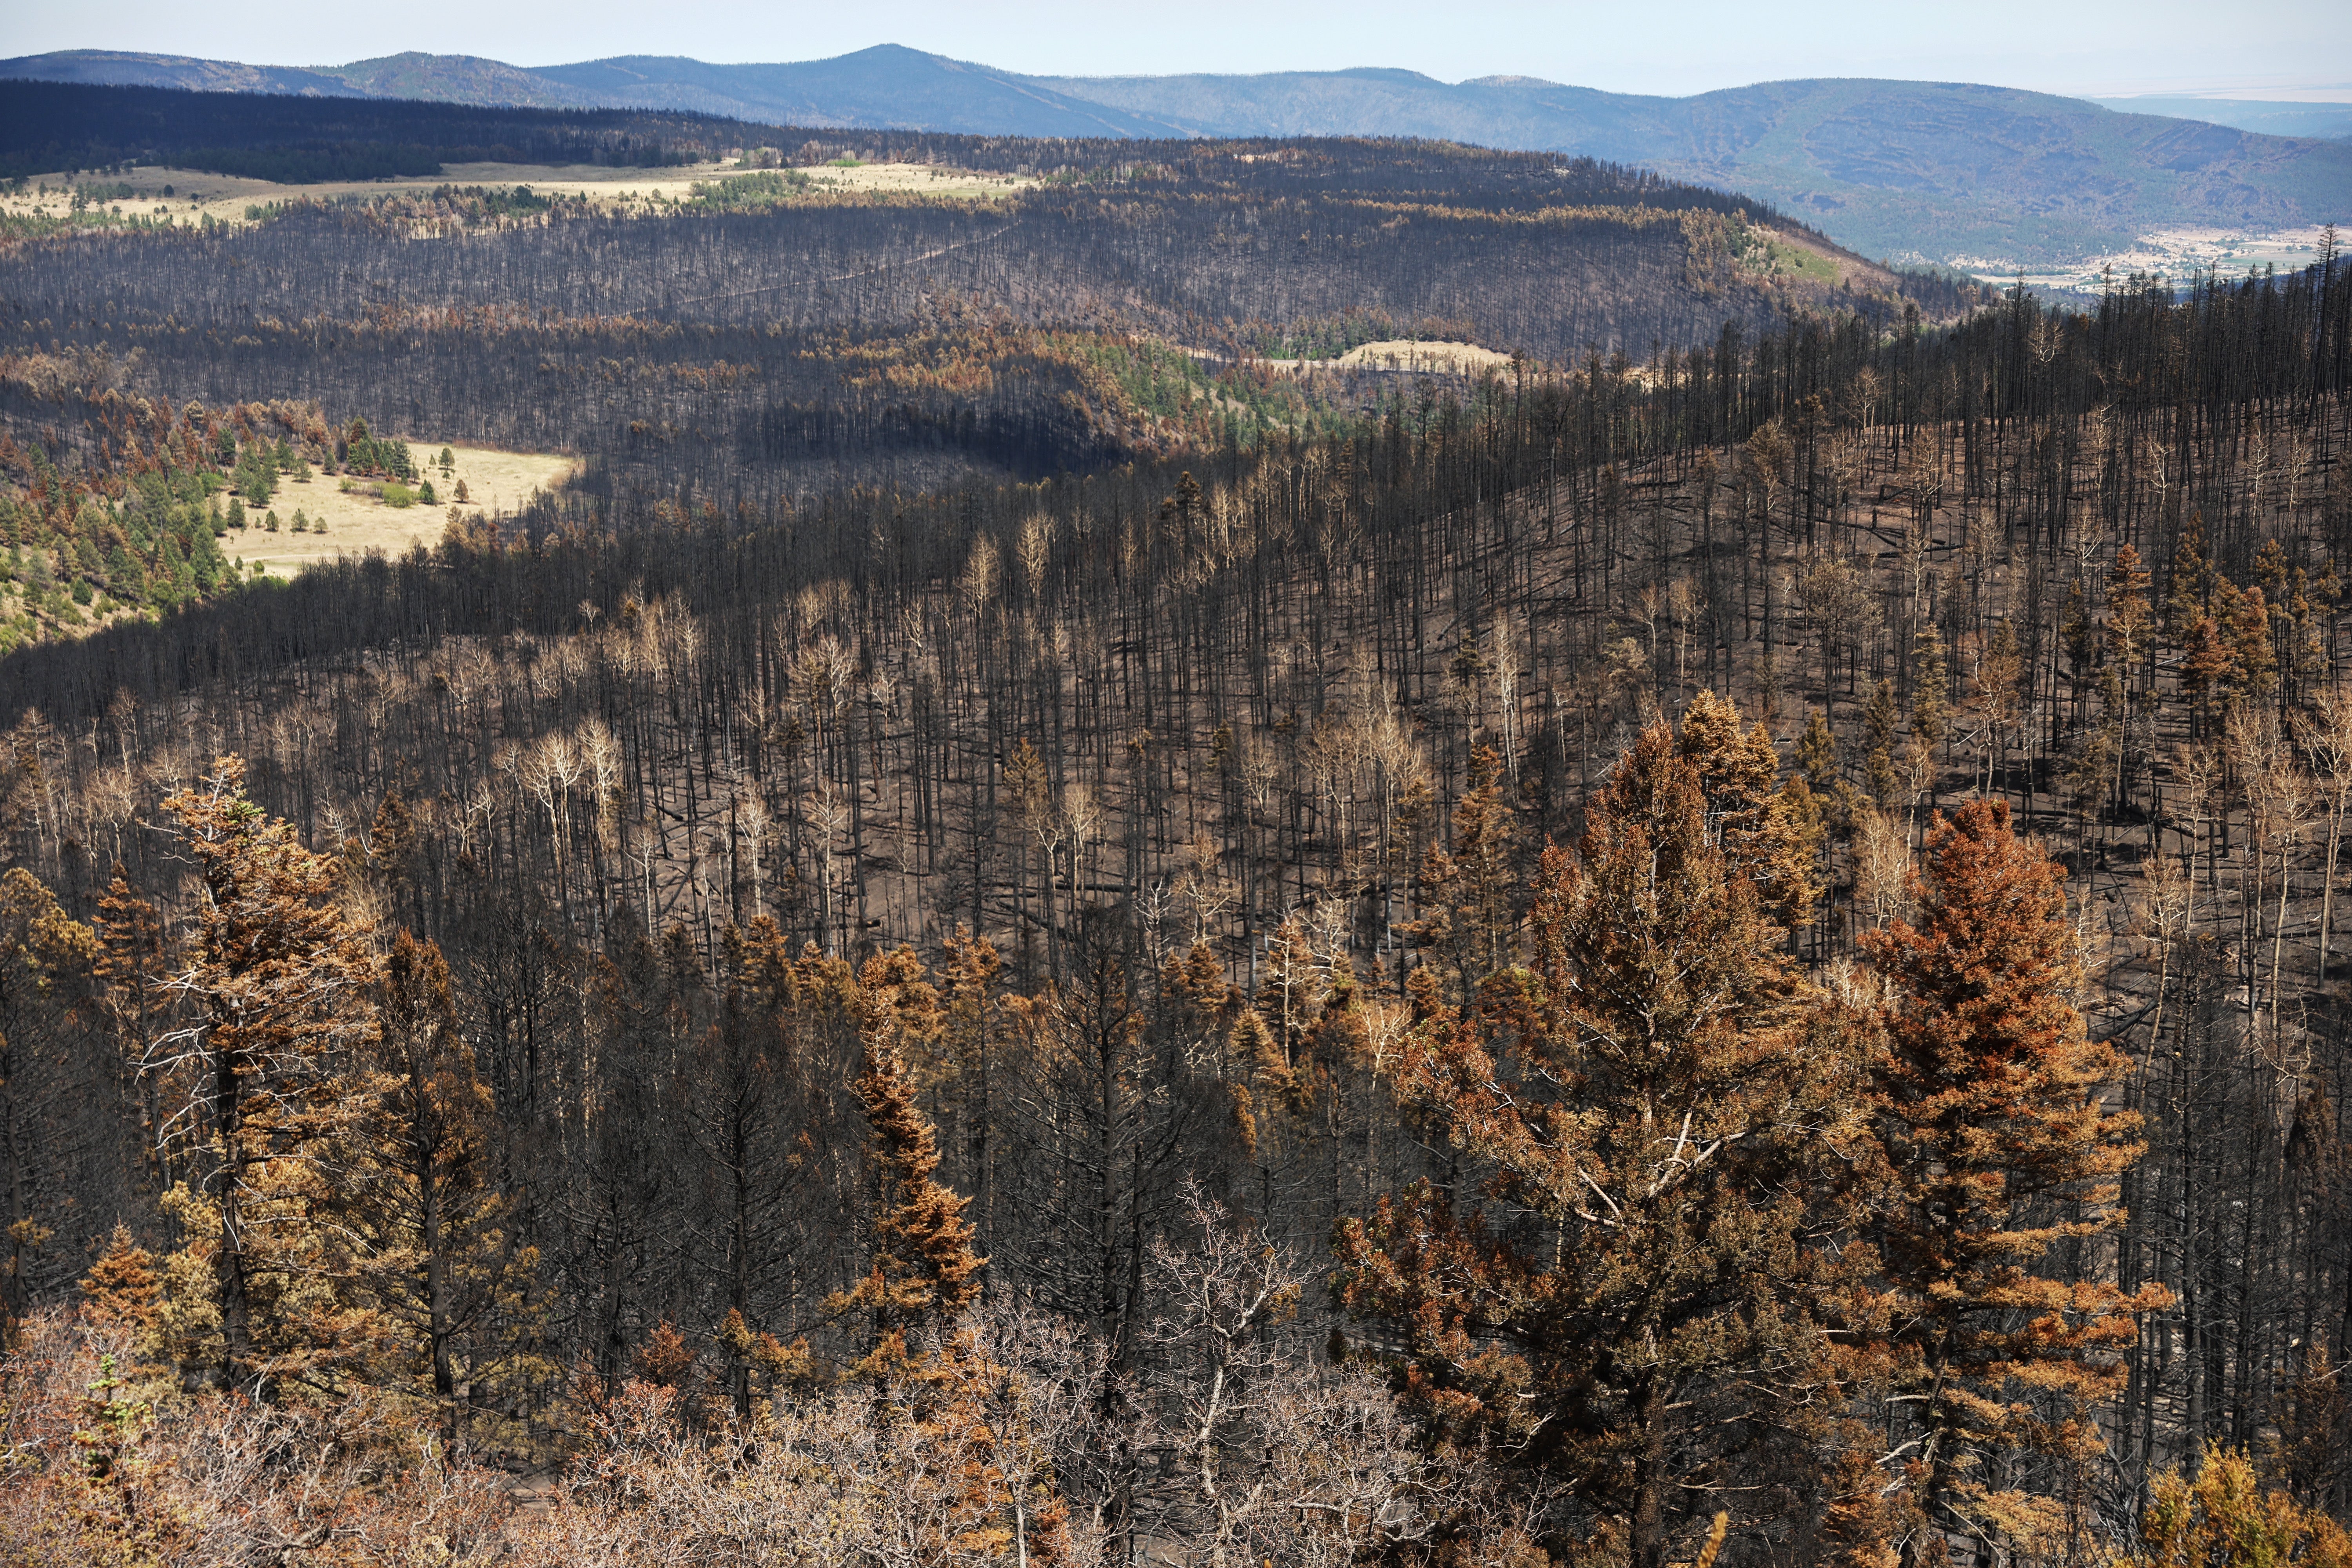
point(1920, 172)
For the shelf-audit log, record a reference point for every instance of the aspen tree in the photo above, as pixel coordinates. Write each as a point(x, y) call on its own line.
point(2328, 738)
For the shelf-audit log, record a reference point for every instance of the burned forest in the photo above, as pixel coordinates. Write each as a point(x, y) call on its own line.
point(1047, 917)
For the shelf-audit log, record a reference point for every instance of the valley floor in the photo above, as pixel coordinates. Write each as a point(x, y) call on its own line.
point(2177, 254)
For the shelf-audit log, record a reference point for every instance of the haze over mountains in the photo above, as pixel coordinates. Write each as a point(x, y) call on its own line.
point(1912, 171)
point(2280, 118)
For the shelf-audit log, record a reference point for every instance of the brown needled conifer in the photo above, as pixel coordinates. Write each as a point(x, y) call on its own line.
point(1642, 1103)
point(422, 1203)
point(1471, 889)
point(46, 957)
point(1988, 1095)
point(924, 1270)
point(275, 994)
point(121, 1286)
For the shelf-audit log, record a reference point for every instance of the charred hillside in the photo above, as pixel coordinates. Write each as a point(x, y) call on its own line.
point(1623, 944)
point(794, 339)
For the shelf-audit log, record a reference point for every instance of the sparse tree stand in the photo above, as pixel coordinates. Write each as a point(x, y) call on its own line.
point(2002, 1160)
point(276, 1002)
point(45, 956)
point(926, 1363)
point(431, 1230)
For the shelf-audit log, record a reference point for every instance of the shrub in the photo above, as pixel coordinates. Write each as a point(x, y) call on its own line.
point(2226, 1519)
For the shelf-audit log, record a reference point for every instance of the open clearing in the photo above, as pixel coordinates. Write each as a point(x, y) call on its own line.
point(1389, 353)
point(1403, 354)
point(1808, 258)
point(495, 483)
point(224, 198)
point(917, 179)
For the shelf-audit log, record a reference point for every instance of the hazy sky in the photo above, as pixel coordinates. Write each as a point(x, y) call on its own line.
point(2289, 48)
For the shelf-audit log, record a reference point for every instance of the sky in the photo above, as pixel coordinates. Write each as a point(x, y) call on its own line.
point(2289, 48)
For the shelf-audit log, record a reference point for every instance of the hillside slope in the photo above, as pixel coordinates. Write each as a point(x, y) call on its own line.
point(2271, 117)
point(1918, 172)
point(117, 68)
point(886, 87)
point(452, 78)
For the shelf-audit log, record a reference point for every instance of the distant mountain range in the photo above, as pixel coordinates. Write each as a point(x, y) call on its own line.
point(1935, 172)
point(2272, 119)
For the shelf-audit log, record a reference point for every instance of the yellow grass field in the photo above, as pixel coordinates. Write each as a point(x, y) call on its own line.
point(224, 198)
point(919, 180)
point(1459, 359)
point(356, 522)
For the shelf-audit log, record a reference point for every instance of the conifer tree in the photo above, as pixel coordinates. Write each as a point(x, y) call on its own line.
point(1817, 754)
point(1470, 891)
point(1643, 1101)
point(130, 970)
point(1986, 1095)
point(2129, 624)
point(433, 1252)
point(745, 1103)
point(1878, 729)
point(46, 957)
point(2224, 1516)
point(923, 1270)
point(2189, 593)
point(275, 994)
point(1930, 671)
point(1747, 816)
point(2206, 667)
point(121, 1286)
point(972, 1039)
point(2255, 657)
point(2075, 630)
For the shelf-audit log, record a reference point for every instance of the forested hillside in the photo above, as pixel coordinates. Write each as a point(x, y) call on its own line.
point(1726, 952)
point(1943, 173)
point(769, 337)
